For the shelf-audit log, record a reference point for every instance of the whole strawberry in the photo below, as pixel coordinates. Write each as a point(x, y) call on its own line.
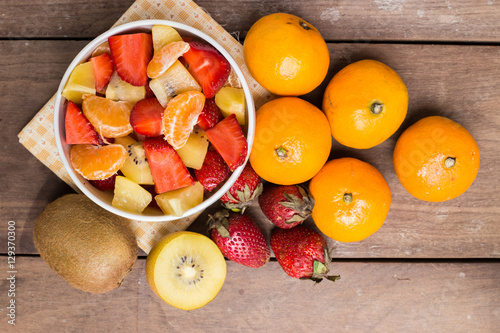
point(286, 205)
point(239, 238)
point(213, 171)
point(244, 191)
point(302, 253)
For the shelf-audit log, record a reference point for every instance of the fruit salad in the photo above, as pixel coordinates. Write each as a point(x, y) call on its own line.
point(146, 115)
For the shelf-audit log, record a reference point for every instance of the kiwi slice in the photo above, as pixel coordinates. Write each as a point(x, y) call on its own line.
point(186, 269)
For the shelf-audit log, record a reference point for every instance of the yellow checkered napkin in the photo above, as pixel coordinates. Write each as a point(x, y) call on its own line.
point(38, 135)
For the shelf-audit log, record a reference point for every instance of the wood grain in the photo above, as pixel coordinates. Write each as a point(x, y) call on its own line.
point(358, 20)
point(457, 81)
point(369, 297)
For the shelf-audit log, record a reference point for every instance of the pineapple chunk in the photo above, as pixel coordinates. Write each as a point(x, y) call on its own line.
point(119, 90)
point(163, 35)
point(194, 151)
point(231, 100)
point(136, 167)
point(81, 81)
point(173, 82)
point(130, 196)
point(179, 201)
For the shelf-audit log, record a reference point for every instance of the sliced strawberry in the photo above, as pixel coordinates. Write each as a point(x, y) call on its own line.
point(229, 141)
point(169, 173)
point(78, 129)
point(145, 117)
point(213, 171)
point(207, 66)
point(210, 115)
point(107, 184)
point(149, 92)
point(103, 69)
point(131, 55)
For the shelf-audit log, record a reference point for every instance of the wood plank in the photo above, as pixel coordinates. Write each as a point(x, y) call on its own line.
point(376, 296)
point(359, 20)
point(460, 82)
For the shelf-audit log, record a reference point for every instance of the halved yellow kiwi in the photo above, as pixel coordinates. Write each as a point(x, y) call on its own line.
point(186, 269)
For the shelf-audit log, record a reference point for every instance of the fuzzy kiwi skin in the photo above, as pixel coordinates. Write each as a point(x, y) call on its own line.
point(89, 247)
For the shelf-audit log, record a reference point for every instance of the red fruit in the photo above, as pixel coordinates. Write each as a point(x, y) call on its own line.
point(78, 129)
point(286, 205)
point(210, 115)
point(213, 171)
point(244, 191)
point(229, 141)
point(107, 184)
point(153, 203)
point(207, 66)
point(145, 117)
point(239, 238)
point(169, 173)
point(302, 253)
point(103, 69)
point(131, 55)
point(149, 92)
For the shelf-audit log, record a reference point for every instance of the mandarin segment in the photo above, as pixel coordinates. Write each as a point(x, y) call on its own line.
point(180, 116)
point(165, 57)
point(109, 118)
point(97, 162)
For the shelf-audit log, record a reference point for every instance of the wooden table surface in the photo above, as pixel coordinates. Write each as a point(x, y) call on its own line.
point(432, 267)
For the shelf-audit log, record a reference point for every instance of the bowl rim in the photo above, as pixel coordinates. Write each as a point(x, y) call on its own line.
point(83, 56)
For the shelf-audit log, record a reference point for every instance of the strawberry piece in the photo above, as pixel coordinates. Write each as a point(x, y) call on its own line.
point(229, 141)
point(78, 129)
point(213, 171)
point(103, 69)
point(244, 191)
point(286, 205)
point(145, 117)
point(131, 55)
point(107, 184)
point(210, 115)
point(169, 173)
point(207, 66)
point(302, 253)
point(239, 238)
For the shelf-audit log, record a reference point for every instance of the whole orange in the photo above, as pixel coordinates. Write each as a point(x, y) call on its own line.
point(365, 103)
point(436, 159)
point(286, 54)
point(292, 141)
point(352, 199)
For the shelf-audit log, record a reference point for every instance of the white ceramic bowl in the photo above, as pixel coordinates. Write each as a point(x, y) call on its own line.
point(104, 199)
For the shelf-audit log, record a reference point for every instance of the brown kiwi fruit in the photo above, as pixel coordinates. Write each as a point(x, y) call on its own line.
point(89, 247)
